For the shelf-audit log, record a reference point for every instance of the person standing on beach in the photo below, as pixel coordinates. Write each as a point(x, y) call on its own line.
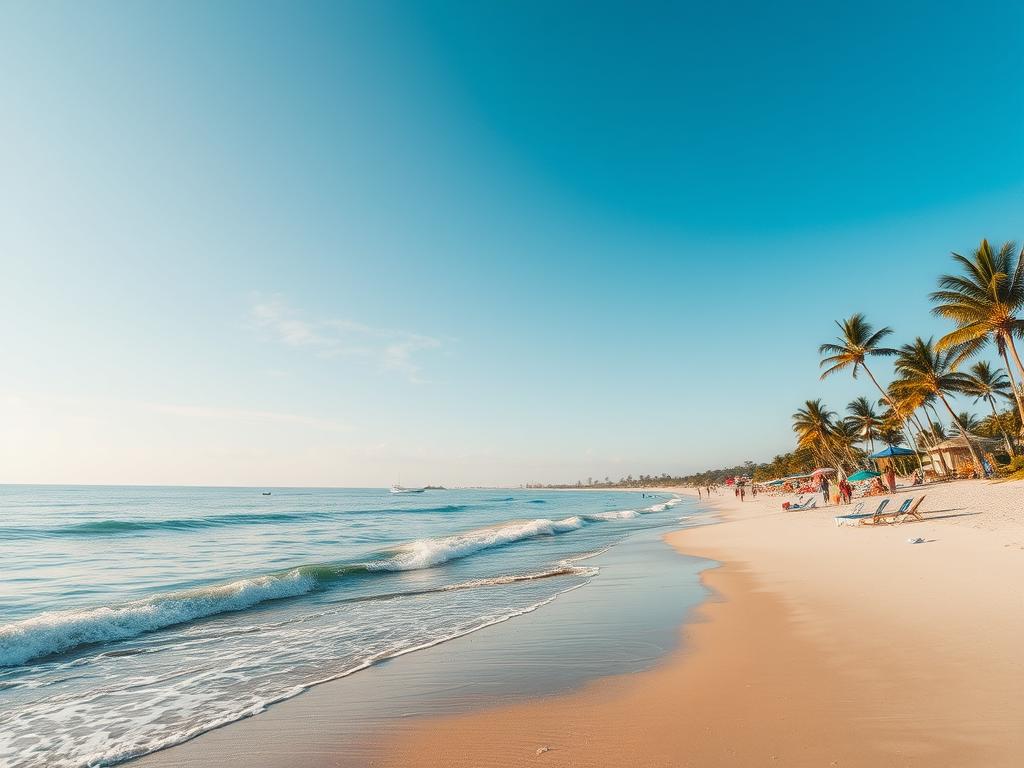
point(743, 493)
point(824, 488)
point(698, 494)
point(890, 479)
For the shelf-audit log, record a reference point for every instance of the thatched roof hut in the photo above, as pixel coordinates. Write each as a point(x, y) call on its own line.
point(955, 453)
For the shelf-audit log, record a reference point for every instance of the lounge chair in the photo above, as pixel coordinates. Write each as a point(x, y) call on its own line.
point(858, 508)
point(857, 518)
point(809, 504)
point(898, 513)
point(912, 512)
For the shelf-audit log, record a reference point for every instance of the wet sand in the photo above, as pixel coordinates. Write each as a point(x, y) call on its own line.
point(622, 621)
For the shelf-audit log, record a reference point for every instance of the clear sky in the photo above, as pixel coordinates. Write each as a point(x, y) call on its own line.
point(277, 243)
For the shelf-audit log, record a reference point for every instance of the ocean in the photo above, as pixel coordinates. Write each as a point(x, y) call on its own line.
point(134, 618)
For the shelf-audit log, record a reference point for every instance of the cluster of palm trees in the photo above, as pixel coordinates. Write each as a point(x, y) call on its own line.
point(983, 301)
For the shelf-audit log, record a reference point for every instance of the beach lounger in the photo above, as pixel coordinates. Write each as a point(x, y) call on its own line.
point(912, 512)
point(809, 504)
point(894, 514)
point(856, 518)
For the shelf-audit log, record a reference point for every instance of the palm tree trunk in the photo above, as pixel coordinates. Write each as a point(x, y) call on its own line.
point(892, 405)
point(879, 386)
point(1013, 379)
point(917, 451)
point(827, 458)
point(933, 440)
point(995, 420)
point(928, 437)
point(965, 433)
point(1016, 357)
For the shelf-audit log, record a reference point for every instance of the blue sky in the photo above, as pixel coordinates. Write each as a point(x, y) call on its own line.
point(472, 242)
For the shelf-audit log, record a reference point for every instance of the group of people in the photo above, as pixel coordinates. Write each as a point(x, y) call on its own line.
point(704, 493)
point(740, 489)
point(837, 493)
point(841, 494)
point(883, 485)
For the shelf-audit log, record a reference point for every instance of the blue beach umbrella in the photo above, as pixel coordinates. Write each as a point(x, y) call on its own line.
point(892, 450)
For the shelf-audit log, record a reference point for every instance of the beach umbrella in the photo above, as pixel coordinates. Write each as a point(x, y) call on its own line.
point(864, 474)
point(822, 471)
point(892, 450)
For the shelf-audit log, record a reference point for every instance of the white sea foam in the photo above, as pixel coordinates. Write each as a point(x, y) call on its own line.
point(622, 514)
point(109, 702)
point(62, 751)
point(59, 631)
point(427, 552)
point(563, 570)
point(664, 505)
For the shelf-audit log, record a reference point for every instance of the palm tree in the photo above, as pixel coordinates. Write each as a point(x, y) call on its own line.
point(891, 433)
point(984, 383)
point(924, 369)
point(845, 437)
point(968, 421)
point(900, 415)
point(864, 420)
point(984, 302)
point(814, 427)
point(858, 341)
point(1003, 423)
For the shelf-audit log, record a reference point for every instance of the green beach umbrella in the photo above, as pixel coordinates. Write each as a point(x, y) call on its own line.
point(864, 474)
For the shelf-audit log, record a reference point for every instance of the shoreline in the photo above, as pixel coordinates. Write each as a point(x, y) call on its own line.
point(820, 646)
point(615, 625)
point(814, 645)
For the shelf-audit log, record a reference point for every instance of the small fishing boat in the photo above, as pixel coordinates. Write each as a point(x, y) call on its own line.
point(401, 489)
point(266, 493)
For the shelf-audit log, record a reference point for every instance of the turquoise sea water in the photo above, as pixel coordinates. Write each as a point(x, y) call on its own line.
point(135, 618)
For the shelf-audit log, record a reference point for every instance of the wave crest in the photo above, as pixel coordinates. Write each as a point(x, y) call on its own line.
point(61, 631)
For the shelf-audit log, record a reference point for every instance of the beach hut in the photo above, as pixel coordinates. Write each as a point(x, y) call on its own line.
point(956, 455)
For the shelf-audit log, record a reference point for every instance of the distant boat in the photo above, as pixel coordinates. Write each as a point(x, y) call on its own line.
point(266, 493)
point(400, 489)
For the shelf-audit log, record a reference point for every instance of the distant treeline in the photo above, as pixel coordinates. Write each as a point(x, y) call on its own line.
point(800, 460)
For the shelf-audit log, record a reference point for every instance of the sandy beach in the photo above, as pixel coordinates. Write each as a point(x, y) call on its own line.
point(824, 646)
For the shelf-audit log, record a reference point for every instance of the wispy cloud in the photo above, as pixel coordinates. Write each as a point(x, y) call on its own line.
point(390, 349)
point(245, 415)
